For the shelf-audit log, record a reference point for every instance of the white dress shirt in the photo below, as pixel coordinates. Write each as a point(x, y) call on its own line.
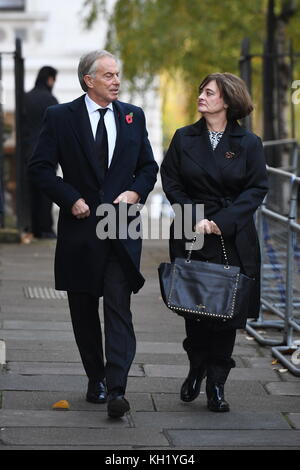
point(109, 120)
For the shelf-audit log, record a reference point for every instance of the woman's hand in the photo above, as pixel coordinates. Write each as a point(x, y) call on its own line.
point(207, 227)
point(130, 197)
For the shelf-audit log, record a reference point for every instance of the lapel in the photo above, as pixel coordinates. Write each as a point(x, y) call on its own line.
point(81, 126)
point(198, 147)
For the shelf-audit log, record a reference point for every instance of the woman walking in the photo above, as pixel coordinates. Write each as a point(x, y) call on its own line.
point(220, 164)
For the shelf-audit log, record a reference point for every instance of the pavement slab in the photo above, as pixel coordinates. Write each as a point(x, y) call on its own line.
point(162, 370)
point(43, 436)
point(284, 388)
point(60, 419)
point(234, 439)
point(59, 368)
point(257, 400)
point(43, 400)
point(204, 419)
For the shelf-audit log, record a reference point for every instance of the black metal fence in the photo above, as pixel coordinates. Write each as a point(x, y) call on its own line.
point(19, 164)
point(278, 324)
point(275, 94)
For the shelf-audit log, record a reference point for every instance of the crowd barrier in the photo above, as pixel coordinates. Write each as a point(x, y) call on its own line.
point(279, 234)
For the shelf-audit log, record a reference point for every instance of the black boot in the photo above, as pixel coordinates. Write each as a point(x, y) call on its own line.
point(216, 378)
point(191, 386)
point(215, 397)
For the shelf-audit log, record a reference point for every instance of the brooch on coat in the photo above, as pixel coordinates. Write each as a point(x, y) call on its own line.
point(229, 155)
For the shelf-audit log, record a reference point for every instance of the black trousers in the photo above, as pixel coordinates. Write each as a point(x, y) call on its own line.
point(120, 342)
point(206, 343)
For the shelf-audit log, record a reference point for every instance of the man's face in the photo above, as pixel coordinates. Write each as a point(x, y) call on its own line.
point(104, 85)
point(50, 82)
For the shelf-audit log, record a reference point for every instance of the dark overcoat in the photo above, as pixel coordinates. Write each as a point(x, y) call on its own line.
point(230, 185)
point(66, 139)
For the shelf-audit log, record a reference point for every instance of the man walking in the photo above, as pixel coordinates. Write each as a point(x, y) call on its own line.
point(102, 147)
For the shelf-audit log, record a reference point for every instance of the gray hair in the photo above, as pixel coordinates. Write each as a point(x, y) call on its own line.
point(87, 65)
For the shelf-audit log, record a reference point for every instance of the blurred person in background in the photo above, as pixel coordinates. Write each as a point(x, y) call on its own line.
point(36, 102)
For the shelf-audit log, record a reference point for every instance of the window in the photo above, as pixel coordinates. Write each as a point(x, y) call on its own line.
point(12, 5)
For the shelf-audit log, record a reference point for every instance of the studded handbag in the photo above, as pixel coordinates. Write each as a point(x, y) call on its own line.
point(197, 289)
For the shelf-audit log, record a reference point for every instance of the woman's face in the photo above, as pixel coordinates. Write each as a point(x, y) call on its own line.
point(210, 100)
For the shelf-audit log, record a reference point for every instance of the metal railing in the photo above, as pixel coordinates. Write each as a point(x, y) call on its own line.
point(19, 117)
point(279, 233)
point(293, 153)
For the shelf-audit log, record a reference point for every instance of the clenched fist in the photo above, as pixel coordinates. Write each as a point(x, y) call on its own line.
point(80, 209)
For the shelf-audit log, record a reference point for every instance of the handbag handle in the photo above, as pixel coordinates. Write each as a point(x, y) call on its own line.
point(189, 255)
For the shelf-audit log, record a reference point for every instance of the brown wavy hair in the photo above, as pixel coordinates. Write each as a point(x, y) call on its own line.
point(234, 92)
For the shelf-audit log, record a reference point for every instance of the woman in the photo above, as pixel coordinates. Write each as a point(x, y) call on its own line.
point(218, 163)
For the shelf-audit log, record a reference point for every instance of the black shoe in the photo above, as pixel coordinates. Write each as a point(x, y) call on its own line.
point(96, 392)
point(117, 405)
point(215, 398)
point(191, 386)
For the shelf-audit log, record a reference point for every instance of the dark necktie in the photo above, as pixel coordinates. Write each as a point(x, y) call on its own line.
point(102, 143)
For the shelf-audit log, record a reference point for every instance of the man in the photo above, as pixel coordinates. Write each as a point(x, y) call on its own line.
point(115, 167)
point(36, 102)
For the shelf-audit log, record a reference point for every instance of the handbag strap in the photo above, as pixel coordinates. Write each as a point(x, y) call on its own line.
point(189, 255)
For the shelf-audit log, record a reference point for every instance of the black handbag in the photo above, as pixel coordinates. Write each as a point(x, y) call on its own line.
point(198, 289)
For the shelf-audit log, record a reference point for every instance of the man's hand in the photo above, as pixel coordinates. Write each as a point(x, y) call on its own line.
point(130, 197)
point(80, 209)
point(207, 227)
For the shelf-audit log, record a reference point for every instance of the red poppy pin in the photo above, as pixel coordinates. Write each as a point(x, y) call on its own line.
point(129, 118)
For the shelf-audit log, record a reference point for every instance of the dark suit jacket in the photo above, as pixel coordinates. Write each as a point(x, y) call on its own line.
point(231, 190)
point(67, 139)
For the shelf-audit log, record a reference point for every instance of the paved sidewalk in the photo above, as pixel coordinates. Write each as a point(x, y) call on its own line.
point(43, 367)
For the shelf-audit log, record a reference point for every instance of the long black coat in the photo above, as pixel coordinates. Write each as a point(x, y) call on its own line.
point(67, 139)
point(231, 190)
